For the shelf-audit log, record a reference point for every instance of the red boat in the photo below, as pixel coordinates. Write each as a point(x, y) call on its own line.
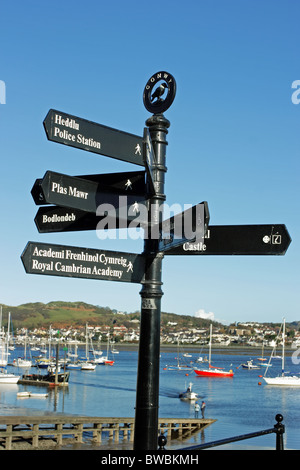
point(213, 371)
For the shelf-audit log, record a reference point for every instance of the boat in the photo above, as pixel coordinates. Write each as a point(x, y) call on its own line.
point(74, 366)
point(23, 394)
point(201, 359)
point(189, 394)
point(45, 379)
point(43, 362)
point(249, 365)
point(7, 378)
point(104, 360)
point(180, 365)
point(4, 342)
point(38, 395)
point(213, 371)
point(31, 395)
point(20, 362)
point(262, 358)
point(87, 366)
point(283, 379)
point(23, 361)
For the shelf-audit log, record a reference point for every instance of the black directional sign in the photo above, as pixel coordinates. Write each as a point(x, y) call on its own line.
point(82, 194)
point(125, 183)
point(64, 219)
point(87, 135)
point(186, 226)
point(238, 240)
point(70, 261)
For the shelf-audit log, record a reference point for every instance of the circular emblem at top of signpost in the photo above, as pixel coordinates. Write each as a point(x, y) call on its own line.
point(159, 92)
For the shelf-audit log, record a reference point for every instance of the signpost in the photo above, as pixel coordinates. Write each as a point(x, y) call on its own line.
point(87, 135)
point(77, 201)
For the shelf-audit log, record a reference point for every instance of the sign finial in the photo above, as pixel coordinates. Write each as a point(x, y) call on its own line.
point(159, 92)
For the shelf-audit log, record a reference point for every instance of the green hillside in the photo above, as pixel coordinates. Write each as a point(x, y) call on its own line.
point(65, 314)
point(76, 314)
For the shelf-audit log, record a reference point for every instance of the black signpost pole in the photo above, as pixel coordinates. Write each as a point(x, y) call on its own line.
point(147, 396)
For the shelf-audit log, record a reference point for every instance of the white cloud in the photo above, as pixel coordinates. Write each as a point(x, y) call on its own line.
point(202, 314)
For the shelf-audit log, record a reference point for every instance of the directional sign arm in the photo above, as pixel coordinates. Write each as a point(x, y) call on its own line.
point(65, 219)
point(70, 261)
point(189, 225)
point(239, 240)
point(87, 135)
point(83, 194)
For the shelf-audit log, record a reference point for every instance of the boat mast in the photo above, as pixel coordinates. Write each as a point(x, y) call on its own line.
point(283, 340)
point(210, 338)
point(107, 347)
point(86, 342)
point(7, 336)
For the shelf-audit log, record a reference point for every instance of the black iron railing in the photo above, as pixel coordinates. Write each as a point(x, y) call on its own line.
point(278, 429)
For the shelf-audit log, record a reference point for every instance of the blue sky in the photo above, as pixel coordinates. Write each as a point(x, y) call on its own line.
point(233, 141)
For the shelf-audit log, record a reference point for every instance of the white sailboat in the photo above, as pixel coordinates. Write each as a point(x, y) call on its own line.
point(104, 360)
point(181, 365)
point(86, 364)
point(3, 345)
point(23, 361)
point(6, 377)
point(285, 380)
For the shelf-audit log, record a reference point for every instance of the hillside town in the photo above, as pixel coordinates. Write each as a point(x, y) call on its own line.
point(244, 334)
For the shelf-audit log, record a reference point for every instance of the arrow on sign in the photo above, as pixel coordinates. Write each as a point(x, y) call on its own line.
point(82, 194)
point(87, 135)
point(186, 226)
point(239, 240)
point(70, 261)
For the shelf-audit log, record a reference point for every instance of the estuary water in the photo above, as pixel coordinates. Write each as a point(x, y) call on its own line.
point(239, 404)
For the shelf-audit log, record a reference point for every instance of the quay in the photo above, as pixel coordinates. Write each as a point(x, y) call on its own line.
point(35, 430)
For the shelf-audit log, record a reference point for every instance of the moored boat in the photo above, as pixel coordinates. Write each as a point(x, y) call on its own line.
point(45, 379)
point(7, 378)
point(213, 371)
point(249, 365)
point(87, 366)
point(73, 366)
point(283, 379)
point(104, 360)
point(31, 395)
point(20, 362)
